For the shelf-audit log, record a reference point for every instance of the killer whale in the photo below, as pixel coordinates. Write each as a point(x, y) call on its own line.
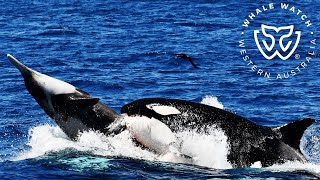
point(76, 111)
point(249, 142)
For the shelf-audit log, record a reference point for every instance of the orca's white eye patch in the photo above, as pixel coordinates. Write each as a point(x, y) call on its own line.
point(163, 109)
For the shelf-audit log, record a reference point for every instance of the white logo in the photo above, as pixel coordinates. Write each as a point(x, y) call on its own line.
point(273, 41)
point(278, 40)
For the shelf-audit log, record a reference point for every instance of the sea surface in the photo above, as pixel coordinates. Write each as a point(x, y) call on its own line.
point(120, 51)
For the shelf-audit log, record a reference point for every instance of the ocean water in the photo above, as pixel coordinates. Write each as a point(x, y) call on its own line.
point(120, 51)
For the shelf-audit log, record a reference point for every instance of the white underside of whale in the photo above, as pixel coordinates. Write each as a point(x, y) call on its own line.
point(154, 135)
point(52, 85)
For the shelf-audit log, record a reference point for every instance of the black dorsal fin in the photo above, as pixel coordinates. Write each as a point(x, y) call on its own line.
point(292, 132)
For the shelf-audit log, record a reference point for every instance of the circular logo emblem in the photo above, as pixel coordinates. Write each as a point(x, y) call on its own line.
point(277, 41)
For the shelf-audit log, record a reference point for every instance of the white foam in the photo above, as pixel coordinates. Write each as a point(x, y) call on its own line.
point(296, 166)
point(45, 139)
point(207, 149)
point(212, 101)
point(256, 164)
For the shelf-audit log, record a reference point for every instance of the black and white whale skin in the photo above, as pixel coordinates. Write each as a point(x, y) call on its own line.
point(76, 111)
point(248, 141)
point(73, 109)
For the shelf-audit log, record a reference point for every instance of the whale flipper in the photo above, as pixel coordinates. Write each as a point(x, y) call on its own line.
point(291, 133)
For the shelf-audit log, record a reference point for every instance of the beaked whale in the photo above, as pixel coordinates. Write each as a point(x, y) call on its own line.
point(76, 111)
point(73, 109)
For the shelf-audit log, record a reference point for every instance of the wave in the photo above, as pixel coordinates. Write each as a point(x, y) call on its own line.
point(58, 30)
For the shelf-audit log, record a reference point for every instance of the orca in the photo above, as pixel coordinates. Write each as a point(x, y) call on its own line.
point(249, 142)
point(75, 111)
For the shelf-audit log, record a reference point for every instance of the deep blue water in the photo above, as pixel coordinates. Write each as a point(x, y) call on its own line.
point(123, 51)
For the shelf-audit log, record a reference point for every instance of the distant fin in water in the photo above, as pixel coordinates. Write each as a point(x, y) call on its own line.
point(184, 56)
point(292, 133)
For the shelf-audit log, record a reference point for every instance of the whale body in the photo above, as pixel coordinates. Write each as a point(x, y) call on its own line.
point(249, 142)
point(75, 111)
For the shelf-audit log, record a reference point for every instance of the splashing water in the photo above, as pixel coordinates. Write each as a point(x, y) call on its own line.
point(209, 150)
point(296, 166)
point(212, 101)
point(46, 138)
